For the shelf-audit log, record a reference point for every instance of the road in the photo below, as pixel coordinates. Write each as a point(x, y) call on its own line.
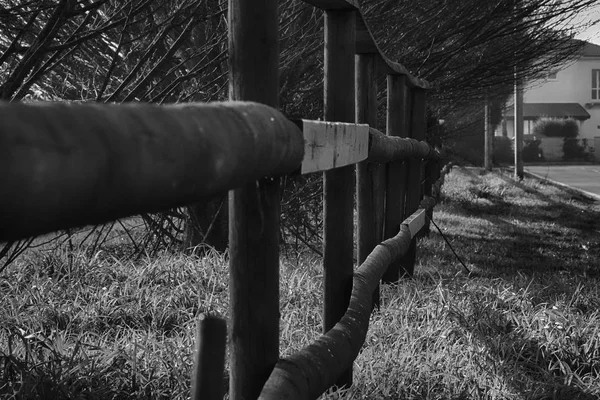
point(584, 177)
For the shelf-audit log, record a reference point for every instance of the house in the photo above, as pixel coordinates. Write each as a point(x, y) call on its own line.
point(572, 91)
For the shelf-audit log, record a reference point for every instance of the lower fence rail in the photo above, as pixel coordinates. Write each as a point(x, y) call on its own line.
point(310, 372)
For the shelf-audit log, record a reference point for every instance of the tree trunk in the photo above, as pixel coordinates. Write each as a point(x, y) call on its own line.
point(206, 226)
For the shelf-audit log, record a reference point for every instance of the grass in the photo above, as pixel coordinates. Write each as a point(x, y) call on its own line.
point(523, 324)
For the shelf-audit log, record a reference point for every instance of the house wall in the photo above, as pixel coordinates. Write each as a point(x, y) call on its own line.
point(573, 85)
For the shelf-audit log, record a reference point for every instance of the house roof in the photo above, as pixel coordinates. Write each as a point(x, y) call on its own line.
point(590, 50)
point(557, 110)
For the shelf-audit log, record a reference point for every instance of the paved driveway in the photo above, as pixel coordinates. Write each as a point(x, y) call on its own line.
point(584, 177)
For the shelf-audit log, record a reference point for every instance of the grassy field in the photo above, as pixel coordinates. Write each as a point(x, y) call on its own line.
point(523, 324)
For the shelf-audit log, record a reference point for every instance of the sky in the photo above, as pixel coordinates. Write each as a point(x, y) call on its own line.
point(591, 34)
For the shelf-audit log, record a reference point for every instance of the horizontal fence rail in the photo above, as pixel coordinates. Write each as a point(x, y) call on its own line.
point(311, 371)
point(79, 164)
point(76, 164)
point(384, 149)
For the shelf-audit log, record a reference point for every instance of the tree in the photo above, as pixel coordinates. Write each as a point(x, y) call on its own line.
point(115, 51)
point(112, 51)
point(468, 49)
point(167, 51)
point(152, 51)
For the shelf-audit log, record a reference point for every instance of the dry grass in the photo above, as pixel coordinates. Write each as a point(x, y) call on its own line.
point(525, 324)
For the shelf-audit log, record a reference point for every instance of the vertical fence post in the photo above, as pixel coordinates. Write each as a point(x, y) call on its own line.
point(413, 196)
point(430, 167)
point(338, 184)
point(432, 172)
point(207, 380)
point(438, 174)
point(254, 209)
point(396, 185)
point(370, 177)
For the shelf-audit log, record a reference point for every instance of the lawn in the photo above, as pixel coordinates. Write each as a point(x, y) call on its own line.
point(522, 323)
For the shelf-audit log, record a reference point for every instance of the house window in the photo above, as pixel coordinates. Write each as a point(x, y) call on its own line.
point(596, 84)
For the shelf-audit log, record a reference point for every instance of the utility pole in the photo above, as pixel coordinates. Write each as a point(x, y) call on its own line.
point(488, 139)
point(518, 125)
point(518, 129)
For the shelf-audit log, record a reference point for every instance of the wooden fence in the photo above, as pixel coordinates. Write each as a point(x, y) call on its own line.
point(67, 165)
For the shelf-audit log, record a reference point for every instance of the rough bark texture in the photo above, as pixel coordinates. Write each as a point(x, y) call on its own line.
point(414, 193)
point(308, 373)
point(338, 184)
point(209, 363)
point(370, 177)
point(77, 164)
point(396, 179)
point(384, 148)
point(254, 209)
point(206, 226)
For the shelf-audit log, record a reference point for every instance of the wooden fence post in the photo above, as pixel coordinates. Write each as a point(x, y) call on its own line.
point(396, 186)
point(338, 184)
point(370, 177)
point(429, 180)
point(432, 173)
point(209, 360)
point(414, 194)
point(254, 209)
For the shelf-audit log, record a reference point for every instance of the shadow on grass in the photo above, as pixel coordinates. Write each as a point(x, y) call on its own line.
point(556, 209)
point(513, 354)
point(524, 255)
point(527, 237)
point(543, 239)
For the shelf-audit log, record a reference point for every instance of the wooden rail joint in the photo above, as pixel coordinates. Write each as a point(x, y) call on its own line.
point(329, 145)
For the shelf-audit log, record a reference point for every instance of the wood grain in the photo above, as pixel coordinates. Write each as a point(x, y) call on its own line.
point(254, 210)
point(414, 183)
point(396, 184)
point(80, 164)
point(338, 184)
point(415, 222)
point(309, 372)
point(370, 177)
point(209, 358)
point(384, 149)
point(329, 145)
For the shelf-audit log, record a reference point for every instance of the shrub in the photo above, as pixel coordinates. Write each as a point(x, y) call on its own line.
point(556, 127)
point(573, 150)
point(467, 147)
point(532, 151)
point(503, 150)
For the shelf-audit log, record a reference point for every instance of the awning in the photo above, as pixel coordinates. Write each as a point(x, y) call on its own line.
point(555, 110)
